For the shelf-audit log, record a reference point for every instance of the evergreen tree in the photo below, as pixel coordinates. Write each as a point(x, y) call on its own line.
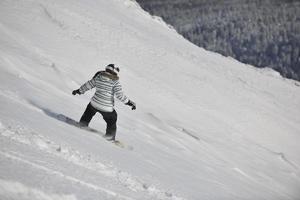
point(263, 33)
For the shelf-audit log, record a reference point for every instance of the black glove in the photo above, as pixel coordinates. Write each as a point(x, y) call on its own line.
point(76, 92)
point(132, 104)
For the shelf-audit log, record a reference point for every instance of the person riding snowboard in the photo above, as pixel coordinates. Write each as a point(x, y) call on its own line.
point(107, 87)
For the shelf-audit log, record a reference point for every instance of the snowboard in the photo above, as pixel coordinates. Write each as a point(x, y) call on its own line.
point(75, 123)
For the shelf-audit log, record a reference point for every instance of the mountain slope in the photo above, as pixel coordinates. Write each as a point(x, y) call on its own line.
point(205, 127)
point(263, 33)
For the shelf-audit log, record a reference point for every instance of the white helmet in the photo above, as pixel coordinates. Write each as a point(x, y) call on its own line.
point(111, 68)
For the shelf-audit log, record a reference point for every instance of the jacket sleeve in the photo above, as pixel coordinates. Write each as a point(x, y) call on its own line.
point(88, 85)
point(117, 89)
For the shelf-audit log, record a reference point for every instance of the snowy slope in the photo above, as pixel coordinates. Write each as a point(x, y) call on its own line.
point(206, 126)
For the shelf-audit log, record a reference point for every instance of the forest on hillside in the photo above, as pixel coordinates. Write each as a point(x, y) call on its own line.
point(263, 33)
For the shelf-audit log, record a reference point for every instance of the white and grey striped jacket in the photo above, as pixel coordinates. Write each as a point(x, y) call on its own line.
point(107, 87)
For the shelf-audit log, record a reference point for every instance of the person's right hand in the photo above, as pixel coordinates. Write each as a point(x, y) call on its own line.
point(76, 92)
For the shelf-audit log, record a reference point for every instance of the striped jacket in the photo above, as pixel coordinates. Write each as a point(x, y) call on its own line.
point(107, 87)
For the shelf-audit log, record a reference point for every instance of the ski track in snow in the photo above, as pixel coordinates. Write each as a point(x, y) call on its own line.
point(70, 178)
point(15, 190)
point(281, 155)
point(26, 136)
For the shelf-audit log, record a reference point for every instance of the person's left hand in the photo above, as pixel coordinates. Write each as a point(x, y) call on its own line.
point(132, 104)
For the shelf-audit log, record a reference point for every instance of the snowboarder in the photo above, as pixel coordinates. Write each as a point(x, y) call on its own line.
point(107, 87)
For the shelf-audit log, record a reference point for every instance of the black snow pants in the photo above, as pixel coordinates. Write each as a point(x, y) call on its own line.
point(109, 117)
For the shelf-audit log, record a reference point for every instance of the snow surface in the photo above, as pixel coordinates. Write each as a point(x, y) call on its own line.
point(206, 127)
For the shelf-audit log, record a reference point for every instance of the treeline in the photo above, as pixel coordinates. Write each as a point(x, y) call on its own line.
point(263, 33)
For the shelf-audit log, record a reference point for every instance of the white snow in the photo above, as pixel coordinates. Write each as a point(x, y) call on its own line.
point(16, 190)
point(206, 127)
